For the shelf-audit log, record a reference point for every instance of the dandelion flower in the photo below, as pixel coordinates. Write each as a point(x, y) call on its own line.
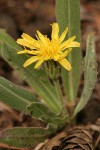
point(44, 49)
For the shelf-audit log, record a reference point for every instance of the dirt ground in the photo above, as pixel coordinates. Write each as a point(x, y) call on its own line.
point(18, 16)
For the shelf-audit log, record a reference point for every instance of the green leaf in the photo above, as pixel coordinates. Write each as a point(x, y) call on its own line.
point(36, 78)
point(90, 74)
point(41, 111)
point(24, 137)
point(5, 37)
point(68, 14)
point(15, 96)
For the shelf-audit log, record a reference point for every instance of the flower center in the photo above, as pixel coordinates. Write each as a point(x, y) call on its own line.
point(51, 50)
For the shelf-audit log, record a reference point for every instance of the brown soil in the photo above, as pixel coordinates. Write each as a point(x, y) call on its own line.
point(18, 16)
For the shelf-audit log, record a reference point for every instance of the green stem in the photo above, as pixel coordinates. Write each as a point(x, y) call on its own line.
point(60, 95)
point(49, 68)
point(53, 72)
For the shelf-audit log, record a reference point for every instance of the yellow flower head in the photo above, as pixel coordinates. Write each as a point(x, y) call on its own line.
point(44, 49)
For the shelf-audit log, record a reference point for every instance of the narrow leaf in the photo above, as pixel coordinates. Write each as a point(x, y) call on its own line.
point(41, 111)
point(15, 96)
point(5, 37)
point(24, 137)
point(68, 15)
point(36, 78)
point(90, 74)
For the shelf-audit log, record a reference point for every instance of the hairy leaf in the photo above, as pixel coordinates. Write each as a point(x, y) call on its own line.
point(41, 111)
point(24, 137)
point(90, 74)
point(15, 96)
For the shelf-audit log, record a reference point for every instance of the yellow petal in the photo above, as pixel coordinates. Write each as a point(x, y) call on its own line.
point(63, 35)
point(65, 64)
point(27, 52)
point(58, 56)
point(66, 44)
point(38, 64)
point(21, 52)
point(74, 44)
point(30, 61)
point(66, 52)
point(25, 43)
point(55, 31)
point(30, 40)
point(42, 38)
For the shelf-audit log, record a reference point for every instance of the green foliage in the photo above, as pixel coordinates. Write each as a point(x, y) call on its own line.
point(15, 96)
point(24, 137)
point(42, 112)
point(5, 37)
point(50, 106)
point(90, 74)
point(36, 78)
point(68, 14)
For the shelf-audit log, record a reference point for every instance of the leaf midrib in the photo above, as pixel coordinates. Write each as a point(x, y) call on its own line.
point(70, 56)
point(16, 95)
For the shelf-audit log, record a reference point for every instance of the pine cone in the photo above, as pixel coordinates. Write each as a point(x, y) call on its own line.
point(79, 138)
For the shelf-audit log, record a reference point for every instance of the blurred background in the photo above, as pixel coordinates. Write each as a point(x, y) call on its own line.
point(18, 16)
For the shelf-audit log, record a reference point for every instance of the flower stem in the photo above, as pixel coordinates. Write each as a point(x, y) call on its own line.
point(53, 71)
point(60, 95)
